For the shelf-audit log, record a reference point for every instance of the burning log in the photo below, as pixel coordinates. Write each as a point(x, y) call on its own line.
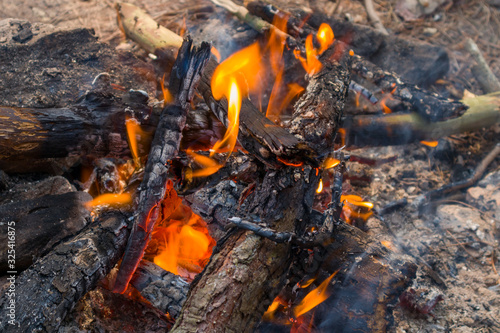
point(154, 187)
point(246, 270)
point(48, 290)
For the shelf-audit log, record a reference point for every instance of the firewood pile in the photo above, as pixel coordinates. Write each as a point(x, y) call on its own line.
point(242, 167)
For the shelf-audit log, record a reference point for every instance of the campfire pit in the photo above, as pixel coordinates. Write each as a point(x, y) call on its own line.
point(234, 197)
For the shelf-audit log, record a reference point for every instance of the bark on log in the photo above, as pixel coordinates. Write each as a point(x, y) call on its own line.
point(48, 290)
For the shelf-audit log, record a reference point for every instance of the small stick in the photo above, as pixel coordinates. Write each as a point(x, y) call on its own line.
point(481, 168)
point(373, 17)
point(482, 72)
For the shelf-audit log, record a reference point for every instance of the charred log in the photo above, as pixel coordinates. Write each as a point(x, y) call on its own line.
point(49, 289)
point(164, 290)
point(41, 224)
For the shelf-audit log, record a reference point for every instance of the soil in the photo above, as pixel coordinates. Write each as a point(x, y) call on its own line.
point(455, 242)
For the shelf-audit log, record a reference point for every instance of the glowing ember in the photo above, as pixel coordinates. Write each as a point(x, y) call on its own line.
point(432, 144)
point(388, 244)
point(110, 199)
point(313, 298)
point(320, 186)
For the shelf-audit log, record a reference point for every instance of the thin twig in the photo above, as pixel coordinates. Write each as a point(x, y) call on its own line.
point(373, 16)
point(482, 72)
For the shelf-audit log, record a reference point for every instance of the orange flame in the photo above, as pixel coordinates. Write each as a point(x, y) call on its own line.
point(110, 199)
point(325, 38)
point(243, 67)
point(430, 143)
point(132, 126)
point(313, 298)
point(209, 166)
point(387, 97)
point(269, 314)
point(184, 243)
point(216, 53)
point(167, 96)
point(355, 207)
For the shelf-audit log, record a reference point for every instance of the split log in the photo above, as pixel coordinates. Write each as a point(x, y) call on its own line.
point(49, 289)
point(40, 224)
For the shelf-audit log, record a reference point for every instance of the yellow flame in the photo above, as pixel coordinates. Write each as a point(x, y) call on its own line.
point(242, 67)
point(330, 162)
point(110, 199)
point(320, 186)
point(233, 112)
point(355, 207)
point(313, 298)
point(325, 37)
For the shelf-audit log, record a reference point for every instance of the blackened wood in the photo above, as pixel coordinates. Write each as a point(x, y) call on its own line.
point(317, 114)
point(364, 290)
point(36, 189)
point(92, 128)
point(164, 290)
point(428, 105)
point(185, 75)
point(48, 290)
point(56, 67)
point(40, 224)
